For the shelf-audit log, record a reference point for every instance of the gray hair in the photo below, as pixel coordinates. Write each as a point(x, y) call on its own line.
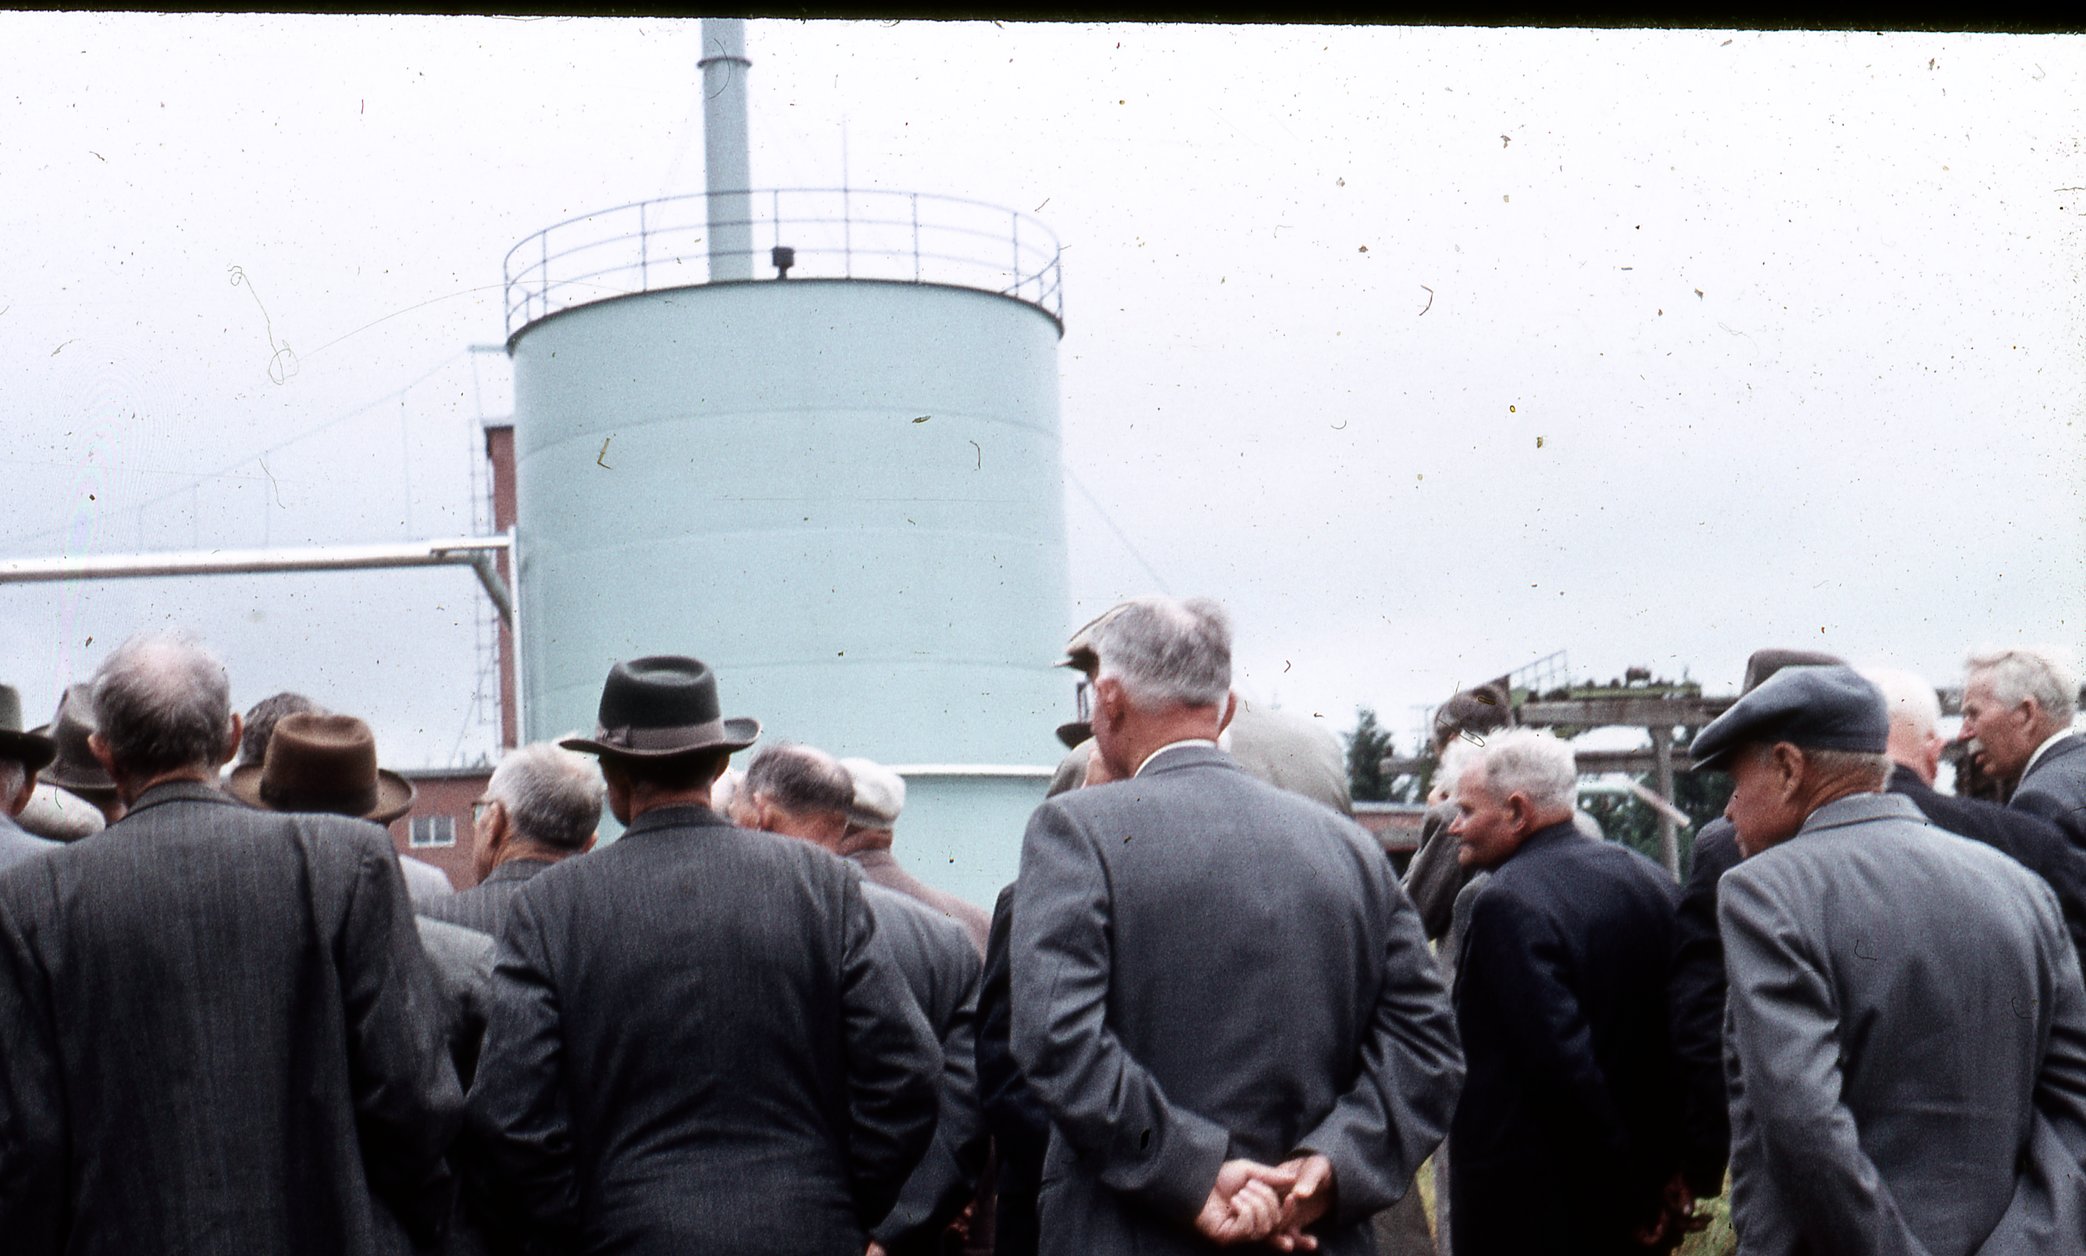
point(1168, 652)
point(1869, 769)
point(799, 779)
point(2029, 672)
point(265, 715)
point(1908, 698)
point(551, 795)
point(1529, 761)
point(163, 702)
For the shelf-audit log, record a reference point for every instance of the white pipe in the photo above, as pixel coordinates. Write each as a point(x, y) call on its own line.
point(728, 173)
point(469, 551)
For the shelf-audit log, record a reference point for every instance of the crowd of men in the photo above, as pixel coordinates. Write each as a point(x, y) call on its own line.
point(1209, 1012)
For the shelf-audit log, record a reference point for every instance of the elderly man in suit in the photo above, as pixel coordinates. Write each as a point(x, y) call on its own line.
point(542, 806)
point(22, 756)
point(1567, 1136)
point(697, 1044)
point(1915, 751)
point(804, 793)
point(1906, 1029)
point(2018, 707)
point(1219, 994)
point(1695, 991)
point(879, 796)
point(221, 1031)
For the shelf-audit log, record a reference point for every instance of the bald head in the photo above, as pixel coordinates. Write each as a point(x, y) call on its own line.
point(797, 791)
point(1915, 719)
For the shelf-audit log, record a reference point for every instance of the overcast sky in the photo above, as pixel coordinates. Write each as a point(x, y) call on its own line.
point(1429, 351)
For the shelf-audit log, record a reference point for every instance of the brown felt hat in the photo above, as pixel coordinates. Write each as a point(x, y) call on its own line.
point(75, 770)
point(33, 749)
point(323, 763)
point(661, 707)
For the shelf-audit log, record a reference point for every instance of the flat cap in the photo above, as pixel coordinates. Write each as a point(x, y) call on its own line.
point(879, 794)
point(1820, 708)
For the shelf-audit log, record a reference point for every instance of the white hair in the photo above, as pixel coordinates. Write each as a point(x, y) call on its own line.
point(2026, 672)
point(1529, 761)
point(163, 702)
point(1167, 652)
point(551, 795)
point(1909, 699)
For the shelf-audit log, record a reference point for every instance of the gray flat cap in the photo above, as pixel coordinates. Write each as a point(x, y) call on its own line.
point(879, 794)
point(1820, 708)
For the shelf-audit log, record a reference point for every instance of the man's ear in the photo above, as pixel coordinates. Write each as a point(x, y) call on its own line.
point(98, 746)
point(231, 750)
point(20, 802)
point(1231, 709)
point(1109, 700)
point(1521, 813)
point(1789, 762)
point(589, 843)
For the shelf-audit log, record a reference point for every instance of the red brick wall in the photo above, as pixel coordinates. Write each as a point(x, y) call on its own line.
point(444, 793)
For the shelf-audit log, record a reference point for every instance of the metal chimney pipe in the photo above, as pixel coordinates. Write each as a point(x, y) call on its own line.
point(728, 177)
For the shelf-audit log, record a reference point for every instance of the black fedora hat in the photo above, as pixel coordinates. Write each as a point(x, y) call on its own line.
point(33, 749)
point(75, 769)
point(660, 707)
point(322, 763)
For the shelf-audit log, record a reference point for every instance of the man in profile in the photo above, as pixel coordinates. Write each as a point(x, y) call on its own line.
point(696, 1044)
point(542, 806)
point(1219, 993)
point(2018, 707)
point(1567, 1135)
point(221, 1033)
point(1906, 1030)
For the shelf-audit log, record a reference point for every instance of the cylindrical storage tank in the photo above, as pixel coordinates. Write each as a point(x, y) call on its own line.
point(845, 496)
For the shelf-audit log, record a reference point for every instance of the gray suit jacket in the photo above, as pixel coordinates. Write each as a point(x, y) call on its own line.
point(484, 906)
point(1905, 1044)
point(941, 970)
point(17, 844)
point(1205, 967)
point(2054, 788)
point(221, 1037)
point(698, 1046)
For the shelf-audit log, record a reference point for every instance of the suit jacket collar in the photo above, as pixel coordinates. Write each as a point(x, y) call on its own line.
point(1904, 780)
point(1547, 836)
point(182, 791)
point(1189, 754)
point(1861, 809)
point(691, 816)
point(516, 870)
point(2063, 748)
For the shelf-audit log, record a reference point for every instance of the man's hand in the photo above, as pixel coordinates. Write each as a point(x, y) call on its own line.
point(1243, 1206)
point(1308, 1200)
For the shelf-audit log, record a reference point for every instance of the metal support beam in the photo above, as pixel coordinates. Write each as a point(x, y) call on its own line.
point(476, 552)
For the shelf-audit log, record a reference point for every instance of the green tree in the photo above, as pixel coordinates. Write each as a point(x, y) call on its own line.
point(1367, 747)
point(1630, 821)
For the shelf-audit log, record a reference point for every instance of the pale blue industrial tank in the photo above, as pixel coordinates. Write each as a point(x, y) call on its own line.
point(842, 492)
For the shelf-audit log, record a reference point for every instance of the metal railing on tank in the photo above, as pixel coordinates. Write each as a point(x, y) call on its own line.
point(795, 233)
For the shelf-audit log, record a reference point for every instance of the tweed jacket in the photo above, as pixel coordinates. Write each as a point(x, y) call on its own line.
point(485, 905)
point(222, 1037)
point(2034, 843)
point(1905, 1043)
point(1205, 967)
point(698, 1045)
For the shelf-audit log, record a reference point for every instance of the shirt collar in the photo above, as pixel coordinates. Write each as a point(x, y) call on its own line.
point(2048, 742)
point(1171, 745)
